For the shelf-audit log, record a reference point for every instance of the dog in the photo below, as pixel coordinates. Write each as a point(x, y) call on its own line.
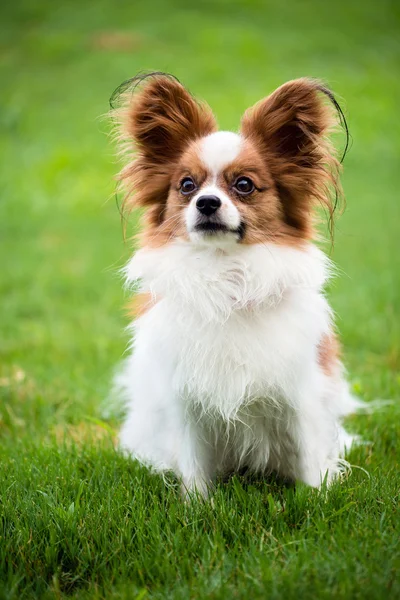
point(235, 360)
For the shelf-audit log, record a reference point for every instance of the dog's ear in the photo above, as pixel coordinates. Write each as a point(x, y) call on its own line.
point(157, 119)
point(291, 127)
point(163, 117)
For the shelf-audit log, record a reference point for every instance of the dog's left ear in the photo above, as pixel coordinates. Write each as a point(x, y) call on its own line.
point(291, 127)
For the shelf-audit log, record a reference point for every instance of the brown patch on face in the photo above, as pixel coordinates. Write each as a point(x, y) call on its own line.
point(173, 224)
point(328, 353)
point(139, 304)
point(159, 121)
point(290, 129)
point(261, 211)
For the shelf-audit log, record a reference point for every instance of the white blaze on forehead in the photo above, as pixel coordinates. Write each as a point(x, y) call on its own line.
point(219, 149)
point(216, 152)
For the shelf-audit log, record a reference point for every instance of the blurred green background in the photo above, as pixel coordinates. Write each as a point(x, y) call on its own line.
point(61, 242)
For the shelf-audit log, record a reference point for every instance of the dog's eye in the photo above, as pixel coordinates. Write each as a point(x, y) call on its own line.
point(187, 186)
point(244, 185)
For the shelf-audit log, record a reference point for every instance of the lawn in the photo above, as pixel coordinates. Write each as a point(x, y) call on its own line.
point(77, 519)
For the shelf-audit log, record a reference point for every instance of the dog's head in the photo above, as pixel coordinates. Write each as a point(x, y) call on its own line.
point(217, 187)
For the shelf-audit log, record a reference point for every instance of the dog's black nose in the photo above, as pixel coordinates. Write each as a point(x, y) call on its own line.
point(208, 205)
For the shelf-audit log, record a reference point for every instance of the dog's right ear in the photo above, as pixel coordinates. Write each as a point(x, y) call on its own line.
point(157, 118)
point(163, 117)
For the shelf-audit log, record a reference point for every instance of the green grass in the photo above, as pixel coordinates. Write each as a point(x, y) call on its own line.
point(77, 519)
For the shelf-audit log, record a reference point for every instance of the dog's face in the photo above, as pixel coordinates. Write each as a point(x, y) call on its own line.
point(222, 192)
point(220, 188)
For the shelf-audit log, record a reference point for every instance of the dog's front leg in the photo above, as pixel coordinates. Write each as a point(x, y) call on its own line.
point(153, 429)
point(312, 453)
point(316, 439)
point(195, 461)
point(160, 431)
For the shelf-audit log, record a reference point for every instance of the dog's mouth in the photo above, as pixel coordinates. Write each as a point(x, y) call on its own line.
point(212, 228)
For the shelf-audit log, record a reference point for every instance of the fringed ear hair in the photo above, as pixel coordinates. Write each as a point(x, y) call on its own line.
point(292, 126)
point(156, 119)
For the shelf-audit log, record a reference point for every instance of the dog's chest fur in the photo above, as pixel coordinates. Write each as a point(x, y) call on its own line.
point(232, 328)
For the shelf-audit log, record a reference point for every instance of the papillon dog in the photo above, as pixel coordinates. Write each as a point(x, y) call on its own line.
point(235, 361)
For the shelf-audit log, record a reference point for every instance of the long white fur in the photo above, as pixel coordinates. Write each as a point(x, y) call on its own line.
point(224, 370)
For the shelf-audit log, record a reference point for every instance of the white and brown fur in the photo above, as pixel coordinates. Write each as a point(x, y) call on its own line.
point(234, 357)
